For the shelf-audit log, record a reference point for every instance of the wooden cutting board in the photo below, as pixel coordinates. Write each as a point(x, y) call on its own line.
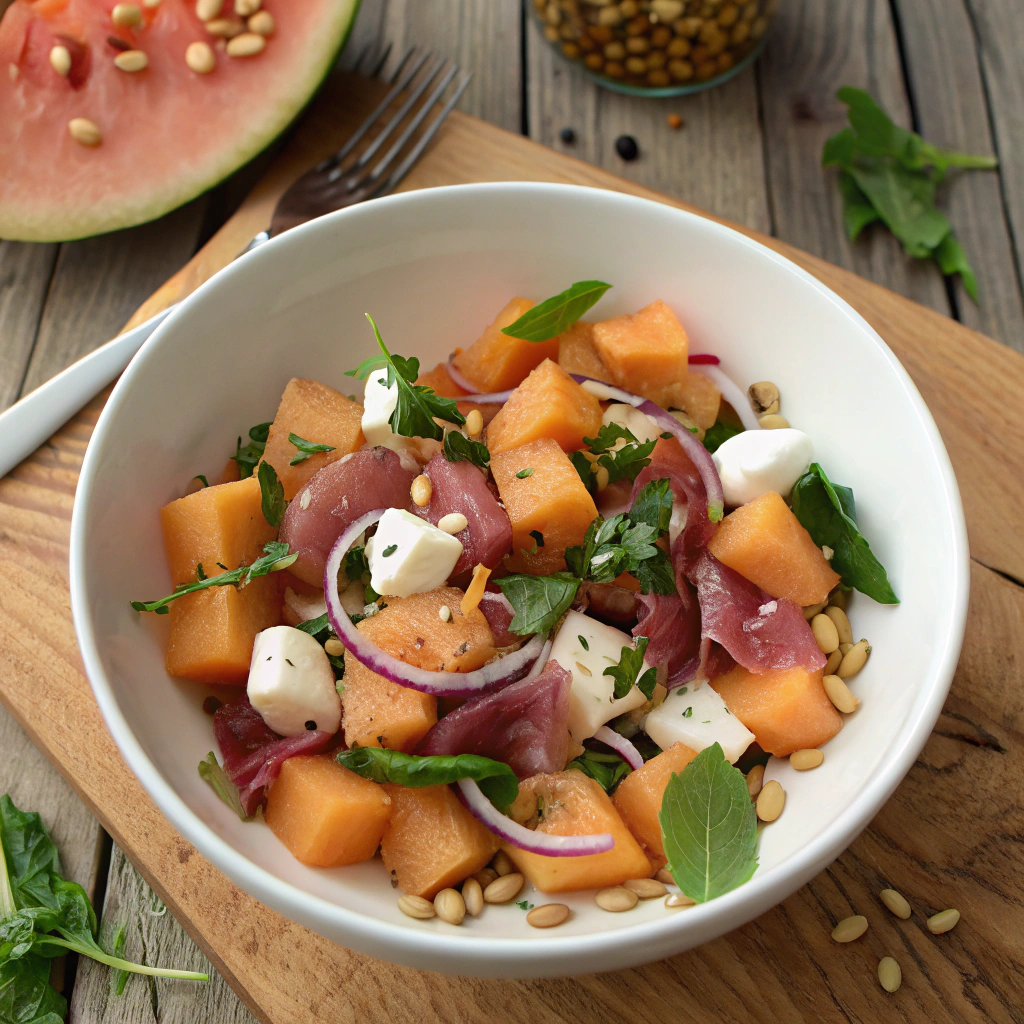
point(953, 834)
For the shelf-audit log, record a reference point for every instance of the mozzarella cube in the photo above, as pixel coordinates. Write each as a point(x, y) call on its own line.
point(698, 717)
point(585, 647)
point(755, 462)
point(642, 427)
point(379, 402)
point(291, 683)
point(408, 555)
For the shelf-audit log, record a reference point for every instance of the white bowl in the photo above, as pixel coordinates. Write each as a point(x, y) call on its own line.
point(433, 267)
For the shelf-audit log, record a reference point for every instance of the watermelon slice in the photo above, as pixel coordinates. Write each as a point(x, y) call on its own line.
point(163, 134)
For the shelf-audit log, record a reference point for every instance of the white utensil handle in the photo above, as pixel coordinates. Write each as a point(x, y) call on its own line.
point(39, 415)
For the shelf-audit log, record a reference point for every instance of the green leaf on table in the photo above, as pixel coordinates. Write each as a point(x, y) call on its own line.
point(213, 775)
point(709, 827)
point(607, 770)
point(718, 433)
point(858, 212)
point(271, 494)
point(539, 601)
point(626, 673)
point(953, 260)
point(459, 448)
point(306, 448)
point(249, 455)
point(555, 315)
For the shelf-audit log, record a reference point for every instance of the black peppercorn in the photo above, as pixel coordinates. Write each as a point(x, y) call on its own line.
point(568, 136)
point(626, 147)
point(311, 725)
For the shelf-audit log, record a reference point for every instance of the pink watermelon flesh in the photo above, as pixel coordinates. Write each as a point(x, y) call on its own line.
point(168, 134)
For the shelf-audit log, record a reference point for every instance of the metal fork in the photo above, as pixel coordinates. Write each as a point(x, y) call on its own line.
point(342, 179)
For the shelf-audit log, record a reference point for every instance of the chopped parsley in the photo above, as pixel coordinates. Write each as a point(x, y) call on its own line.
point(524, 473)
point(583, 642)
point(248, 456)
point(271, 494)
point(389, 551)
point(524, 904)
point(625, 673)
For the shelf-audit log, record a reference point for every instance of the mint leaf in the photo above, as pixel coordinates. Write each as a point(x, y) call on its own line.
point(271, 494)
point(306, 448)
point(539, 601)
point(555, 315)
point(709, 827)
point(249, 456)
point(625, 673)
point(213, 775)
point(459, 448)
point(607, 770)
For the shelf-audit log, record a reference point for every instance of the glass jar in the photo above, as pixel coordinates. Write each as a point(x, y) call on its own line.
point(657, 47)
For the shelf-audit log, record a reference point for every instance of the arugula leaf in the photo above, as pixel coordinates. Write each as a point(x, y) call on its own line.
point(247, 457)
point(828, 514)
point(213, 775)
point(631, 660)
point(497, 780)
point(275, 558)
point(555, 315)
point(271, 494)
point(314, 626)
point(622, 463)
point(539, 601)
point(459, 448)
point(718, 433)
point(306, 448)
point(202, 479)
point(356, 564)
point(607, 770)
point(709, 827)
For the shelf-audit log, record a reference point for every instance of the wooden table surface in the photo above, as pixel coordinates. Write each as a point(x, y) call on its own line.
point(748, 151)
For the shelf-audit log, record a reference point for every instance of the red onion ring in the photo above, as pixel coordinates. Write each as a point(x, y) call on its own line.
point(525, 838)
point(732, 393)
point(703, 359)
point(495, 398)
point(610, 738)
point(492, 676)
point(542, 660)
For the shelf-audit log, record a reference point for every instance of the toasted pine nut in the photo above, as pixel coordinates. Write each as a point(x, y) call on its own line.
point(262, 23)
point(616, 899)
point(485, 877)
point(200, 59)
point(501, 864)
point(126, 15)
point(853, 660)
point(472, 896)
point(850, 928)
point(890, 977)
point(334, 647)
point(679, 899)
point(805, 760)
point(416, 906)
point(773, 421)
point(770, 801)
point(243, 8)
point(60, 60)
point(896, 902)
point(504, 888)
point(304, 499)
point(450, 906)
point(834, 660)
point(474, 424)
point(825, 633)
point(85, 131)
point(755, 780)
point(764, 397)
point(601, 474)
point(813, 609)
point(151, 3)
point(207, 10)
point(444, 613)
point(226, 28)
point(548, 915)
point(943, 921)
point(664, 875)
point(453, 523)
point(646, 888)
point(842, 624)
point(248, 44)
point(839, 693)
point(838, 598)
point(131, 60)
point(421, 490)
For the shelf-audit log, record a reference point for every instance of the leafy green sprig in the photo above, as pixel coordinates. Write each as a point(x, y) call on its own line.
point(459, 448)
point(556, 315)
point(623, 463)
point(249, 455)
point(306, 449)
point(272, 501)
point(627, 672)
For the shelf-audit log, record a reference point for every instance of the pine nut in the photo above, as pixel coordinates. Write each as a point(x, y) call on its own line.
point(151, 3)
point(843, 648)
point(755, 780)
point(646, 888)
point(853, 660)
point(764, 397)
point(504, 889)
point(474, 424)
point(262, 23)
point(679, 899)
point(548, 915)
point(850, 928)
point(131, 60)
point(896, 903)
point(770, 801)
point(839, 693)
point(450, 906)
point(334, 647)
point(472, 896)
point(825, 633)
point(60, 60)
point(842, 624)
point(616, 899)
point(805, 760)
point(813, 609)
point(501, 864)
point(834, 660)
point(225, 28)
point(453, 523)
point(248, 44)
point(890, 977)
point(773, 421)
point(664, 875)
point(943, 921)
point(421, 490)
point(304, 499)
point(243, 8)
point(207, 10)
point(126, 15)
point(85, 131)
point(838, 598)
point(416, 906)
point(200, 59)
point(485, 877)
point(444, 613)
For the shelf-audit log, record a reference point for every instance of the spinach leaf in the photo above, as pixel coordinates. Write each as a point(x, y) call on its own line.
point(607, 770)
point(718, 433)
point(709, 827)
point(459, 448)
point(213, 775)
point(631, 660)
point(557, 314)
point(953, 260)
point(26, 996)
point(539, 601)
point(271, 494)
point(306, 448)
point(858, 212)
point(497, 780)
point(828, 514)
point(249, 456)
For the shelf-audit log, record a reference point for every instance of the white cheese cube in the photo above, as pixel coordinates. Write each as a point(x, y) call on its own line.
point(758, 461)
point(291, 682)
point(408, 555)
point(698, 718)
point(379, 402)
point(642, 427)
point(585, 647)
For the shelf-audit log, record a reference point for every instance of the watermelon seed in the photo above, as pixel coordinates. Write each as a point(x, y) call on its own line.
point(199, 57)
point(262, 23)
point(131, 60)
point(84, 131)
point(248, 44)
point(60, 60)
point(206, 10)
point(228, 28)
point(118, 43)
point(243, 8)
point(126, 15)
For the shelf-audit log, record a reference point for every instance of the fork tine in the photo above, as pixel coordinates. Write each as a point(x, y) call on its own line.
point(362, 56)
point(381, 61)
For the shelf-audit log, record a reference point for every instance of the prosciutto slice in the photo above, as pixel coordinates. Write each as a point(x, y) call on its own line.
point(672, 624)
point(499, 615)
point(526, 725)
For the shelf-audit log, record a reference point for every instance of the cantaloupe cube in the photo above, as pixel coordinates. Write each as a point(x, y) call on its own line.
point(570, 803)
point(380, 713)
point(550, 501)
point(325, 814)
point(645, 352)
point(432, 841)
point(549, 403)
point(576, 352)
point(765, 542)
point(786, 710)
point(639, 795)
point(318, 414)
point(496, 361)
point(696, 395)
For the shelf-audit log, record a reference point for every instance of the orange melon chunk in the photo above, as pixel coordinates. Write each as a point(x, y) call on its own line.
point(551, 501)
point(549, 403)
point(786, 710)
point(576, 352)
point(318, 414)
point(497, 362)
point(380, 713)
point(432, 841)
point(765, 542)
point(697, 396)
point(325, 814)
point(639, 794)
point(574, 805)
point(645, 352)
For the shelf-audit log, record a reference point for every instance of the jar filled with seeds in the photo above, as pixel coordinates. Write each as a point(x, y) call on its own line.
point(657, 47)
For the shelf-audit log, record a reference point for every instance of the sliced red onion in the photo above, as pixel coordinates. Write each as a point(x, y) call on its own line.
point(495, 398)
point(542, 660)
point(525, 838)
point(733, 394)
point(703, 359)
point(610, 738)
point(492, 676)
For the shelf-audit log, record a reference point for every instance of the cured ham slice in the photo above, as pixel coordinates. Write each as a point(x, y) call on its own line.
point(671, 622)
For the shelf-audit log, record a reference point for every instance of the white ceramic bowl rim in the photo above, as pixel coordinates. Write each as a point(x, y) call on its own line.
point(731, 910)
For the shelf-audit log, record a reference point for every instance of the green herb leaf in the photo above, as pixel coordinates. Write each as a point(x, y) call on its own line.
point(120, 979)
point(524, 473)
point(524, 904)
point(607, 770)
point(858, 212)
point(555, 315)
point(718, 433)
point(622, 463)
point(202, 479)
point(306, 448)
point(213, 775)
point(653, 505)
point(497, 780)
point(271, 494)
point(315, 626)
point(389, 551)
point(952, 259)
point(249, 456)
point(539, 601)
point(709, 827)
point(631, 660)
point(827, 512)
point(356, 566)
point(459, 448)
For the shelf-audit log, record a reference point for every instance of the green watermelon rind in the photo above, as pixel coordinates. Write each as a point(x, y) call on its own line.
point(40, 227)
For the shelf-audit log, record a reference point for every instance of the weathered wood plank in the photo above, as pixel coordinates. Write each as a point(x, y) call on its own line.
point(941, 62)
point(813, 49)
